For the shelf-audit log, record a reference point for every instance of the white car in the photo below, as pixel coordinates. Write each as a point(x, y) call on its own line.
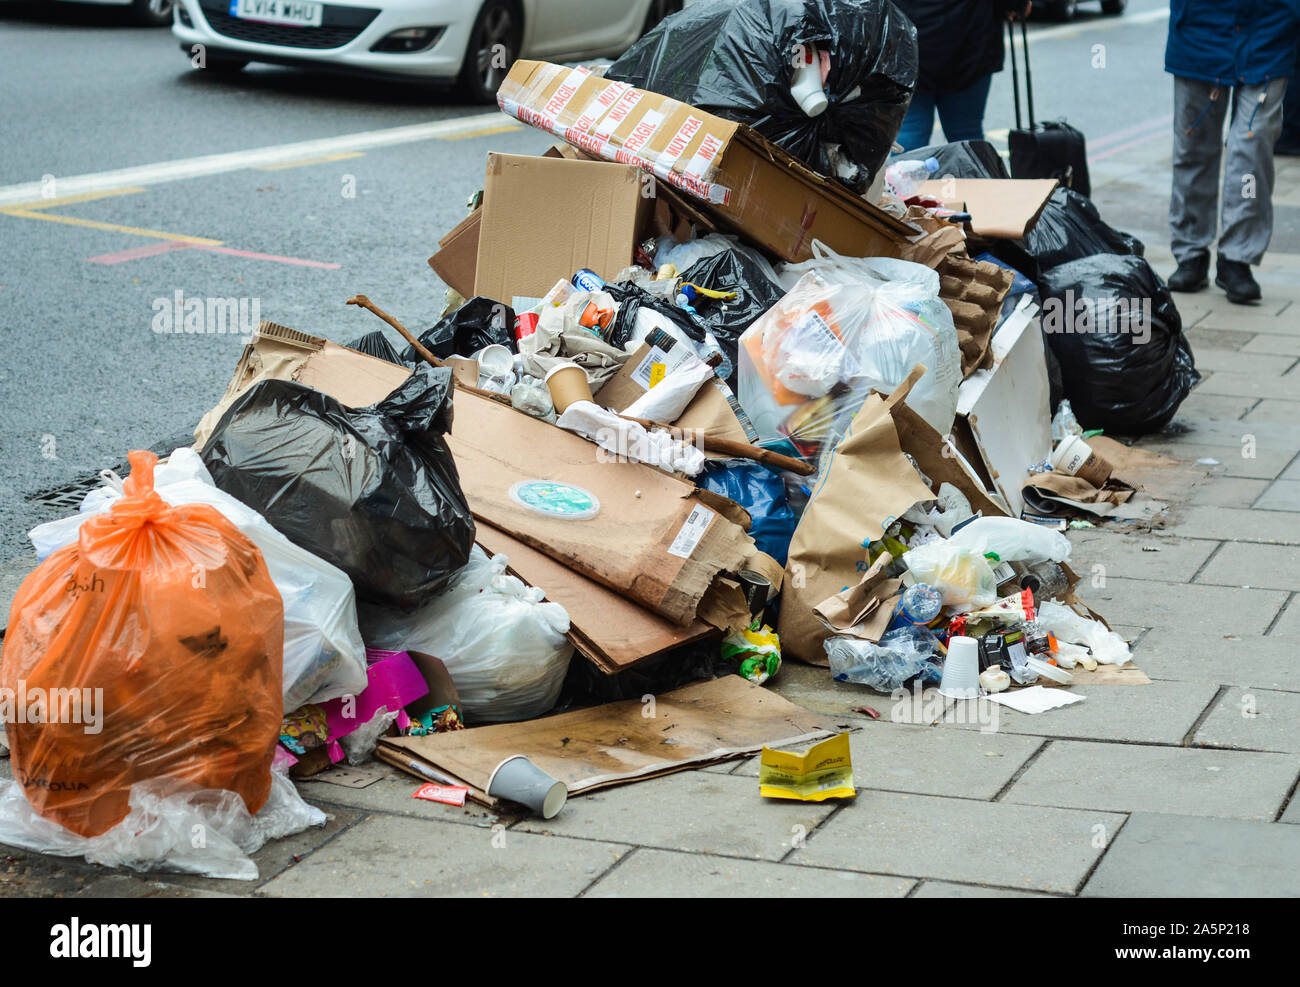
point(470, 42)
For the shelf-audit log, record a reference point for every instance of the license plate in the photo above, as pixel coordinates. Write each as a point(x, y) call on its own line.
point(278, 12)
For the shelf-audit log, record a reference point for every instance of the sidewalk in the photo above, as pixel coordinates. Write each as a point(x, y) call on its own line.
point(1168, 789)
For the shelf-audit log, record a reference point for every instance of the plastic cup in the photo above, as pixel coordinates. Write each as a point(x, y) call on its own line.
point(961, 669)
point(1074, 456)
point(518, 779)
point(567, 384)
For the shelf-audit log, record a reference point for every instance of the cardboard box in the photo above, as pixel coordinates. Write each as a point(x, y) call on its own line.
point(1000, 208)
point(751, 184)
point(457, 260)
point(544, 218)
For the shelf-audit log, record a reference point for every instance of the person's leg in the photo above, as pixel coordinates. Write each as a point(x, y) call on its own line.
point(1199, 109)
point(962, 112)
point(918, 125)
point(1248, 172)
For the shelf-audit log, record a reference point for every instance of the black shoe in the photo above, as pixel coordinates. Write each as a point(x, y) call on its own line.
point(1235, 278)
point(1192, 274)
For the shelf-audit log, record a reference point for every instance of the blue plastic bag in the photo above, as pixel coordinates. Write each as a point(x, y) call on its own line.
point(761, 492)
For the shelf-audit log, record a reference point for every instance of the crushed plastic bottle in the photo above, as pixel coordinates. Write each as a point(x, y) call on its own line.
point(905, 178)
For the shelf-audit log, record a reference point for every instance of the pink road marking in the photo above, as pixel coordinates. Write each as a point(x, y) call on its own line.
point(1157, 122)
point(1124, 147)
point(137, 253)
point(167, 246)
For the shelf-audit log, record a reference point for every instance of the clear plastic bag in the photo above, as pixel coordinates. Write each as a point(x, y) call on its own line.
point(168, 827)
point(884, 666)
point(963, 576)
point(1013, 540)
point(324, 657)
point(505, 648)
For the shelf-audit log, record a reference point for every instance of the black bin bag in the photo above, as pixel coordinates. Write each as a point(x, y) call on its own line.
point(376, 344)
point(1069, 228)
point(372, 490)
point(734, 58)
point(961, 159)
point(479, 322)
point(1125, 364)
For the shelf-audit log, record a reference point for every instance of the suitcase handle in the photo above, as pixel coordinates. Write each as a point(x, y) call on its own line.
point(1015, 76)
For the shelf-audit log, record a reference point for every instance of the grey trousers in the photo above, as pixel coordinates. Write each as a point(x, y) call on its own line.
point(1247, 170)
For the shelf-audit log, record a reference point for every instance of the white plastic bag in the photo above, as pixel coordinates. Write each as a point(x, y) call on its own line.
point(631, 440)
point(504, 647)
point(963, 577)
point(1013, 540)
point(159, 830)
point(1106, 646)
point(668, 399)
point(324, 657)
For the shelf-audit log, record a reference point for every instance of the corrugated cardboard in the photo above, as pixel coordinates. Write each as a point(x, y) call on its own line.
point(643, 510)
point(590, 749)
point(545, 218)
point(1000, 208)
point(280, 353)
point(749, 183)
point(457, 260)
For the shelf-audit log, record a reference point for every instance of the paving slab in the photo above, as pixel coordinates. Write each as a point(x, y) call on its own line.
point(1205, 340)
point(1228, 491)
point(1249, 385)
point(1266, 464)
point(665, 874)
point(1136, 556)
point(1262, 661)
point(694, 811)
point(813, 688)
point(1213, 610)
point(1158, 713)
point(387, 856)
point(1236, 524)
point(1263, 364)
point(1254, 565)
point(1264, 318)
point(1268, 411)
point(902, 758)
point(1270, 343)
point(1275, 436)
point(1281, 495)
point(1287, 627)
point(961, 840)
point(1256, 720)
point(945, 889)
point(1158, 855)
point(392, 793)
point(1292, 813)
point(24, 874)
point(1223, 406)
point(1136, 778)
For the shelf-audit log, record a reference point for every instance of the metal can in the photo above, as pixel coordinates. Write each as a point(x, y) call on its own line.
point(525, 324)
point(586, 279)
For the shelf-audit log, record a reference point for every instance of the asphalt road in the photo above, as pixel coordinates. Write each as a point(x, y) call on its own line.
point(85, 377)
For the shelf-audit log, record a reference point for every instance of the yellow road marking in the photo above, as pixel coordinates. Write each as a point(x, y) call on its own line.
point(320, 159)
point(484, 132)
point(64, 200)
point(96, 225)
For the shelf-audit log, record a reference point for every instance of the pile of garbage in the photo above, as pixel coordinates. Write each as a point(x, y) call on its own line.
point(741, 390)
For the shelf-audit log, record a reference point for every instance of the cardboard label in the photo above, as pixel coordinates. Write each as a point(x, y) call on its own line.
point(693, 529)
point(702, 161)
point(446, 794)
point(668, 360)
point(657, 374)
point(677, 146)
point(626, 102)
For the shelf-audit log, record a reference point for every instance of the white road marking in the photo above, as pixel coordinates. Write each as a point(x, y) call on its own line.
point(260, 157)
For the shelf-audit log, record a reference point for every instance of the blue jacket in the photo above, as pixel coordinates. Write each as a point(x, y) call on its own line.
point(1233, 42)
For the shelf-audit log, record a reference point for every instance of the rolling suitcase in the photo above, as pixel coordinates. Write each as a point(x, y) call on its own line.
point(1052, 149)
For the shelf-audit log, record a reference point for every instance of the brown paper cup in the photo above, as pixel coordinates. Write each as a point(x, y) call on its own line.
point(1075, 457)
point(567, 384)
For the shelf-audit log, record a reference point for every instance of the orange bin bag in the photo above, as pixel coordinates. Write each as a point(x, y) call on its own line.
point(164, 621)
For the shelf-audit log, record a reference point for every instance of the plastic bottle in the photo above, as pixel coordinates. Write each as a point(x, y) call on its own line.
point(806, 81)
point(904, 178)
point(918, 605)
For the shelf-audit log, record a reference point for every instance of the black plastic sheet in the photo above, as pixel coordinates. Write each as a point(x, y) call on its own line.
point(376, 344)
point(734, 58)
point(1125, 364)
point(372, 490)
point(479, 322)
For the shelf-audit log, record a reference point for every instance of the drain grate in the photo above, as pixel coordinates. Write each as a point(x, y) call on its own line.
point(69, 496)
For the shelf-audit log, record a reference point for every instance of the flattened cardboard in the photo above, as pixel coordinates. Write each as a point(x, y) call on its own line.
point(280, 353)
point(611, 632)
point(546, 217)
point(750, 184)
point(457, 260)
point(1000, 208)
point(590, 749)
point(627, 545)
point(863, 610)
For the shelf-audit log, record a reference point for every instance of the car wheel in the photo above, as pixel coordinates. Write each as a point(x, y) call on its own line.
point(151, 13)
point(1061, 10)
point(659, 9)
point(493, 47)
point(1113, 6)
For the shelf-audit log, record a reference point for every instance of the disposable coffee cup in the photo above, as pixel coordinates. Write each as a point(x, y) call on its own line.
point(757, 590)
point(517, 779)
point(495, 360)
point(567, 384)
point(961, 669)
point(1075, 457)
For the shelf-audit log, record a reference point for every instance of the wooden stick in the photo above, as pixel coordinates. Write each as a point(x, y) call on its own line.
point(730, 447)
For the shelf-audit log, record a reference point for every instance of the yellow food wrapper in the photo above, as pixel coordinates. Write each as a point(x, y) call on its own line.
point(824, 771)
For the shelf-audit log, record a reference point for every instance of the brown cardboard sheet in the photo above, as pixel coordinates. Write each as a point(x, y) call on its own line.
point(1000, 208)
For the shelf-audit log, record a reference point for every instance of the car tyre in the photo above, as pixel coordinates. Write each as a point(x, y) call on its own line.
point(151, 13)
point(1061, 10)
point(659, 9)
point(1113, 6)
point(499, 23)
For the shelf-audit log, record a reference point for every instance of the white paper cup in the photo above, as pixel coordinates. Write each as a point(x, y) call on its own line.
point(518, 779)
point(961, 669)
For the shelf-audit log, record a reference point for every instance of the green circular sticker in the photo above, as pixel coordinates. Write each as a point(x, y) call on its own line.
point(562, 500)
